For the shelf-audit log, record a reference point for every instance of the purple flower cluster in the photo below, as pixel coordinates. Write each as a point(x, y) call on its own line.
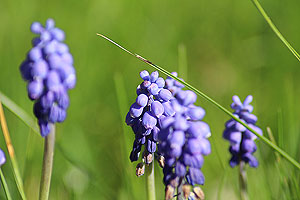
point(2, 157)
point(242, 144)
point(49, 70)
point(152, 103)
point(183, 141)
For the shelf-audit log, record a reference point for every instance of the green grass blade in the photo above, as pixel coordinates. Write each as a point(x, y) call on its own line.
point(5, 187)
point(198, 92)
point(19, 112)
point(271, 136)
point(182, 62)
point(221, 185)
point(123, 108)
point(30, 122)
point(275, 29)
point(11, 153)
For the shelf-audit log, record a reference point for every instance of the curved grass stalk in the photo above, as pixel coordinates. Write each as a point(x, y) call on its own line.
point(11, 153)
point(19, 112)
point(5, 187)
point(275, 29)
point(198, 92)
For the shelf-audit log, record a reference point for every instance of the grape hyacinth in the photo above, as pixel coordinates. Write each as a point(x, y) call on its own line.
point(152, 103)
point(183, 142)
point(2, 157)
point(48, 69)
point(242, 145)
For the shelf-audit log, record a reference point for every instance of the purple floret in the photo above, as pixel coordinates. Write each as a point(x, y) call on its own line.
point(2, 157)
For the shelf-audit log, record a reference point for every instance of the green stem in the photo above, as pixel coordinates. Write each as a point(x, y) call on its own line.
point(243, 182)
point(275, 29)
point(179, 191)
point(47, 164)
point(198, 92)
point(11, 153)
point(150, 182)
point(5, 187)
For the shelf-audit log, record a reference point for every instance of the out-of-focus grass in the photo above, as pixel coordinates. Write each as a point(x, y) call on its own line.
point(230, 50)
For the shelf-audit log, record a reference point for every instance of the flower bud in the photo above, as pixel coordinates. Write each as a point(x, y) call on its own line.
point(148, 158)
point(199, 193)
point(169, 192)
point(140, 169)
point(161, 161)
point(186, 189)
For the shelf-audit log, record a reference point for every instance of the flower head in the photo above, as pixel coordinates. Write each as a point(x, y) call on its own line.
point(183, 141)
point(242, 145)
point(48, 69)
point(152, 103)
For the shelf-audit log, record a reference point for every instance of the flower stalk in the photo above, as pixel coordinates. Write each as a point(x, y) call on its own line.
point(150, 182)
point(243, 181)
point(5, 187)
point(47, 164)
point(11, 153)
point(179, 190)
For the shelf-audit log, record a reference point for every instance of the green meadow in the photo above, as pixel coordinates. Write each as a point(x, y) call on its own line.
point(222, 48)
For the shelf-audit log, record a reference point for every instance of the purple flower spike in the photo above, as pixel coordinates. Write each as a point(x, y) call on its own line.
point(147, 113)
point(49, 70)
point(183, 138)
point(242, 144)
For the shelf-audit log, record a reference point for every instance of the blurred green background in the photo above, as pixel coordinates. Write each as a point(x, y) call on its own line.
point(229, 50)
